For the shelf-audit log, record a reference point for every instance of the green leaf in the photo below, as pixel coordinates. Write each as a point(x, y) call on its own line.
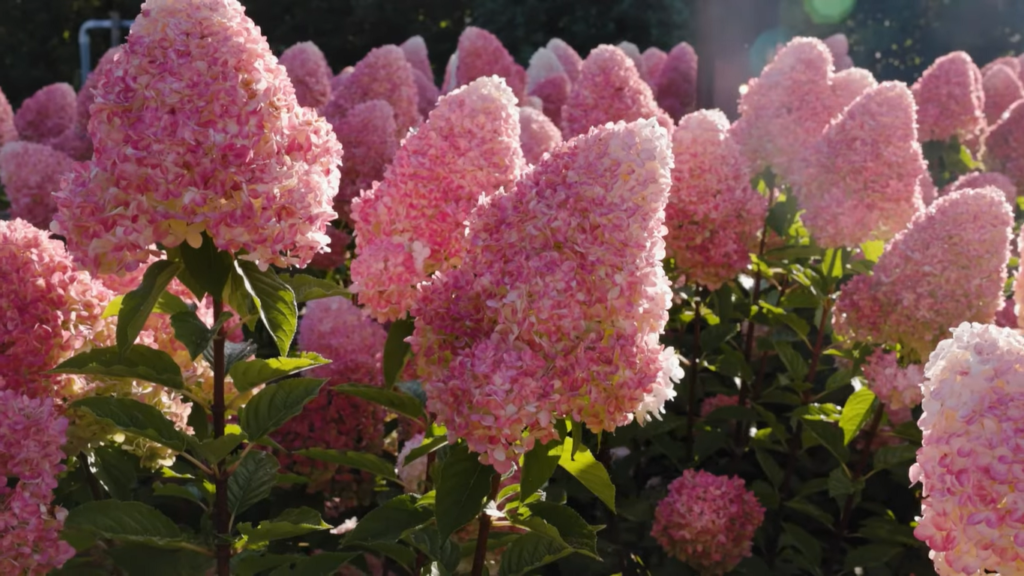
point(247, 375)
point(429, 541)
point(289, 524)
point(840, 485)
point(830, 436)
point(871, 555)
point(125, 522)
point(856, 413)
point(323, 564)
point(140, 560)
point(233, 353)
point(795, 363)
point(393, 400)
point(873, 250)
point(839, 379)
point(538, 466)
point(389, 522)
point(190, 492)
point(359, 460)
point(167, 304)
point(138, 362)
point(116, 471)
point(252, 481)
point(193, 332)
point(396, 350)
point(802, 540)
point(712, 337)
point(833, 256)
point(274, 301)
point(136, 418)
point(462, 490)
point(251, 563)
point(769, 466)
point(403, 555)
point(808, 509)
point(529, 552)
point(589, 472)
point(307, 288)
point(890, 456)
point(276, 404)
point(198, 420)
point(215, 450)
point(427, 447)
point(138, 304)
point(572, 528)
point(207, 266)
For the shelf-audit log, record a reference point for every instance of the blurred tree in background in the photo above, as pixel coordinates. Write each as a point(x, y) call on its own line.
point(894, 39)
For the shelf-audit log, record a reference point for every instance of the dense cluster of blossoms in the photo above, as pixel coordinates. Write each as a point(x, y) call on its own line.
point(30, 173)
point(414, 474)
point(839, 46)
point(714, 217)
point(707, 521)
point(981, 180)
point(368, 134)
point(675, 80)
point(31, 436)
point(1003, 143)
point(309, 73)
point(859, 181)
point(337, 330)
point(412, 223)
point(557, 307)
point(1002, 88)
point(538, 135)
point(46, 114)
point(654, 59)
point(898, 388)
point(480, 54)
point(609, 89)
point(8, 133)
point(970, 460)
point(383, 74)
point(547, 79)
point(415, 50)
point(717, 401)
point(947, 267)
point(571, 61)
point(251, 168)
point(950, 99)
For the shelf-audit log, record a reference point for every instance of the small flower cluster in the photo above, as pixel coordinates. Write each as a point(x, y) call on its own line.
point(383, 74)
point(415, 50)
point(46, 114)
point(717, 401)
point(707, 521)
point(368, 134)
point(899, 388)
point(976, 180)
point(1002, 89)
point(30, 173)
point(1002, 144)
point(309, 73)
point(950, 99)
point(481, 54)
point(8, 133)
point(675, 79)
point(538, 135)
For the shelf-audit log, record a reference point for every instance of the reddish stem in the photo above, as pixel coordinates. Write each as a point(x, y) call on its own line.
point(484, 531)
point(221, 515)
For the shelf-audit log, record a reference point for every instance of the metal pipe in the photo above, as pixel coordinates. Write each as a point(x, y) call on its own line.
point(85, 44)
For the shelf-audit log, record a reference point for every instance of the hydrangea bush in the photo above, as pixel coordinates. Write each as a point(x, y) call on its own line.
point(262, 319)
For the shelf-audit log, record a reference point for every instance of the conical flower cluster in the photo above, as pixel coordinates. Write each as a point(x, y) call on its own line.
point(1002, 89)
point(676, 81)
point(309, 72)
point(46, 114)
point(950, 99)
point(30, 174)
point(481, 54)
point(538, 134)
point(383, 74)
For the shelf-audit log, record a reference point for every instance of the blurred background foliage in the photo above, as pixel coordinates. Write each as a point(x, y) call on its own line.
point(896, 39)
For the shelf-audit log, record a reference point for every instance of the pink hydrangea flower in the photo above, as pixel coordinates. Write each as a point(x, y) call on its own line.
point(337, 330)
point(1010, 62)
point(567, 55)
point(1002, 145)
point(30, 173)
point(547, 80)
point(898, 388)
point(950, 99)
point(412, 223)
point(87, 95)
point(414, 474)
point(48, 308)
point(707, 521)
point(47, 113)
point(970, 462)
point(538, 134)
point(426, 93)
point(676, 83)
point(1007, 315)
point(481, 54)
point(714, 217)
point(839, 46)
point(367, 133)
point(250, 167)
point(339, 79)
point(981, 180)
point(947, 267)
point(383, 74)
point(849, 84)
point(860, 180)
point(633, 51)
point(609, 89)
point(558, 305)
point(654, 59)
point(74, 143)
point(717, 401)
point(31, 436)
point(8, 133)
point(1002, 88)
point(309, 73)
point(338, 249)
point(415, 50)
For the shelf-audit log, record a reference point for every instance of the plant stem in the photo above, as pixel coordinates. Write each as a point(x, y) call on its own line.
point(691, 418)
point(221, 516)
point(748, 344)
point(485, 529)
point(858, 471)
point(812, 371)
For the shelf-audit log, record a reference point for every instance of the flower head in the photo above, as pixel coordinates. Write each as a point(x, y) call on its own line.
point(87, 95)
point(609, 89)
point(367, 133)
point(412, 223)
point(1003, 143)
point(970, 462)
point(567, 55)
point(859, 181)
point(538, 134)
point(950, 99)
point(981, 180)
point(481, 54)
point(557, 307)
point(309, 72)
point(383, 74)
point(415, 50)
point(47, 113)
point(8, 133)
point(1002, 88)
point(717, 401)
point(707, 521)
point(714, 217)
point(547, 80)
point(250, 167)
point(633, 51)
point(899, 388)
point(654, 59)
point(947, 267)
point(676, 83)
point(839, 46)
point(31, 173)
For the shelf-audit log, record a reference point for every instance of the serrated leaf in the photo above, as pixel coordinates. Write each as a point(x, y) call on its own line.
point(289, 524)
point(189, 492)
point(871, 555)
point(308, 288)
point(396, 350)
point(233, 353)
point(125, 522)
point(116, 471)
point(276, 404)
point(387, 523)
point(803, 540)
point(429, 541)
point(808, 509)
point(393, 400)
point(140, 560)
point(323, 564)
point(839, 379)
point(529, 552)
point(855, 413)
point(795, 363)
point(137, 305)
point(591, 473)
point(274, 301)
point(840, 485)
point(247, 375)
point(251, 563)
point(712, 337)
point(215, 450)
point(252, 481)
point(427, 447)
point(538, 466)
point(193, 332)
point(138, 362)
point(771, 469)
point(167, 303)
point(873, 250)
point(572, 528)
point(359, 460)
point(462, 490)
point(830, 436)
point(207, 266)
point(199, 422)
point(833, 257)
point(889, 456)
point(136, 418)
